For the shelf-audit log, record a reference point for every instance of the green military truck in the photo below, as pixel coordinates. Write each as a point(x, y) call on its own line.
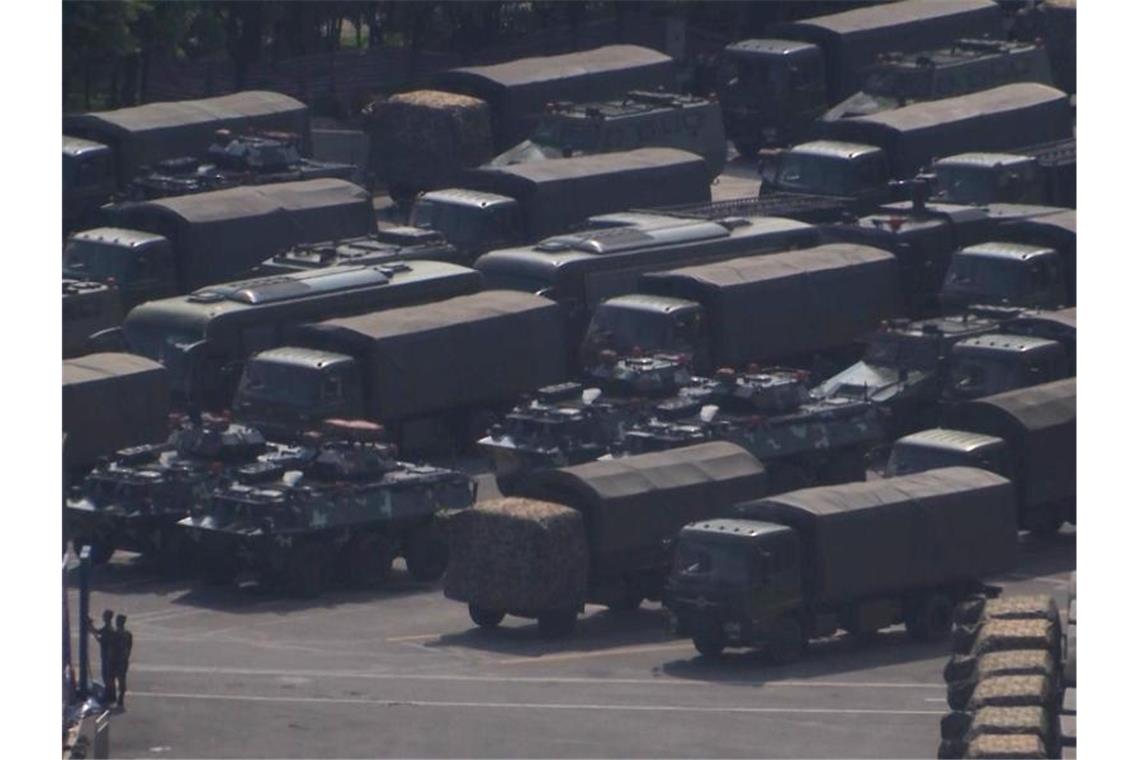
point(998, 362)
point(1013, 275)
point(861, 556)
point(89, 308)
point(88, 181)
point(598, 532)
point(1035, 174)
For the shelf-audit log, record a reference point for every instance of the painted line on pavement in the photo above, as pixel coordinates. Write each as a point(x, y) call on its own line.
point(567, 656)
point(535, 706)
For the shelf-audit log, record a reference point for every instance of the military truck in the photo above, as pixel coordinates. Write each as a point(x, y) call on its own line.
point(581, 269)
point(497, 207)
point(1038, 424)
point(769, 413)
point(204, 337)
point(1056, 230)
point(772, 89)
point(89, 308)
point(449, 363)
point(856, 158)
point(897, 79)
point(998, 362)
point(387, 246)
point(815, 209)
point(88, 181)
point(135, 500)
point(237, 159)
point(1055, 324)
point(347, 513)
point(904, 369)
point(861, 556)
point(143, 135)
point(1035, 174)
point(597, 532)
point(170, 246)
point(111, 401)
point(1011, 275)
point(638, 119)
point(795, 305)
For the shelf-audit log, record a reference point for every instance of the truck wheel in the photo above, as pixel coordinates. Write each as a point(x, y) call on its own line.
point(306, 571)
point(369, 561)
point(426, 554)
point(930, 618)
point(555, 624)
point(786, 642)
point(485, 618)
point(709, 643)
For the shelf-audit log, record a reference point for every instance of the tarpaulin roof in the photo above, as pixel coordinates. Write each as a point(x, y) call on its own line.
point(890, 15)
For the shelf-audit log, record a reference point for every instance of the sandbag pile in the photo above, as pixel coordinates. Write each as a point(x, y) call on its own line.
point(1003, 682)
point(518, 555)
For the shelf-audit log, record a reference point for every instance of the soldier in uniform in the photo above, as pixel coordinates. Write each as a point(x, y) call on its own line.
point(121, 658)
point(105, 636)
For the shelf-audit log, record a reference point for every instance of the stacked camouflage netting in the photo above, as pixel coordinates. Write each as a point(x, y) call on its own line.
point(421, 140)
point(1003, 682)
point(517, 554)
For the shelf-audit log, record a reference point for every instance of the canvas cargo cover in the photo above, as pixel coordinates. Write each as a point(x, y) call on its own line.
point(772, 306)
point(999, 119)
point(474, 349)
point(518, 91)
point(219, 235)
point(556, 194)
point(887, 536)
point(112, 401)
point(143, 135)
point(851, 40)
point(1040, 425)
point(632, 505)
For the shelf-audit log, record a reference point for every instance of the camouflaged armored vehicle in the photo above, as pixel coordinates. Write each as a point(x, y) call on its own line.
point(638, 119)
point(347, 513)
point(251, 159)
point(134, 501)
point(89, 308)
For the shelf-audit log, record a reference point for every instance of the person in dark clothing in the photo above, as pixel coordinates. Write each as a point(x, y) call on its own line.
point(121, 658)
point(105, 636)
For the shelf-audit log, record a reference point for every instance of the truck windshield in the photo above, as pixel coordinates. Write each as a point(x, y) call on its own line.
point(975, 376)
point(460, 224)
point(279, 383)
point(902, 352)
point(909, 459)
point(751, 76)
point(623, 329)
point(966, 184)
point(96, 261)
point(986, 280)
point(712, 561)
point(816, 174)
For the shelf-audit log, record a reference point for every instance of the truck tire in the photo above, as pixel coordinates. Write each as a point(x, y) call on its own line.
point(426, 553)
point(555, 624)
point(485, 618)
point(305, 571)
point(786, 642)
point(369, 561)
point(709, 643)
point(929, 618)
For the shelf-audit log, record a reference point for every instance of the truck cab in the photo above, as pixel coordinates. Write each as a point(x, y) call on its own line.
point(284, 390)
point(88, 179)
point(89, 308)
point(982, 178)
point(828, 168)
point(473, 221)
point(636, 323)
point(1005, 274)
point(938, 447)
point(770, 90)
point(140, 264)
point(995, 363)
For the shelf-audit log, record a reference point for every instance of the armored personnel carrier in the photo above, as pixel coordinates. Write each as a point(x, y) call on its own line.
point(234, 160)
point(134, 501)
point(770, 413)
point(348, 513)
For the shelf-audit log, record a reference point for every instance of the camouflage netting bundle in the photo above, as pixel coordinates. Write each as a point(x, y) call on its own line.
point(516, 555)
point(1005, 635)
point(1040, 606)
point(422, 139)
point(1013, 691)
point(1012, 746)
point(963, 673)
point(959, 729)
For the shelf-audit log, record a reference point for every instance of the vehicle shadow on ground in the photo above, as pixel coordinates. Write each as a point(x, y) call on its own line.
point(597, 630)
point(824, 657)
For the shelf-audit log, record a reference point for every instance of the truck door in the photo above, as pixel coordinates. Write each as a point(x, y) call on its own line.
point(777, 577)
point(806, 89)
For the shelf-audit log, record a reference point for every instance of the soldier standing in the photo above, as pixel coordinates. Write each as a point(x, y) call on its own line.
point(105, 636)
point(121, 658)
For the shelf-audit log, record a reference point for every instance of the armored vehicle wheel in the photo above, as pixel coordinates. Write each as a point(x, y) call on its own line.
point(786, 643)
point(306, 570)
point(555, 624)
point(368, 562)
point(709, 643)
point(485, 618)
point(426, 554)
point(929, 618)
